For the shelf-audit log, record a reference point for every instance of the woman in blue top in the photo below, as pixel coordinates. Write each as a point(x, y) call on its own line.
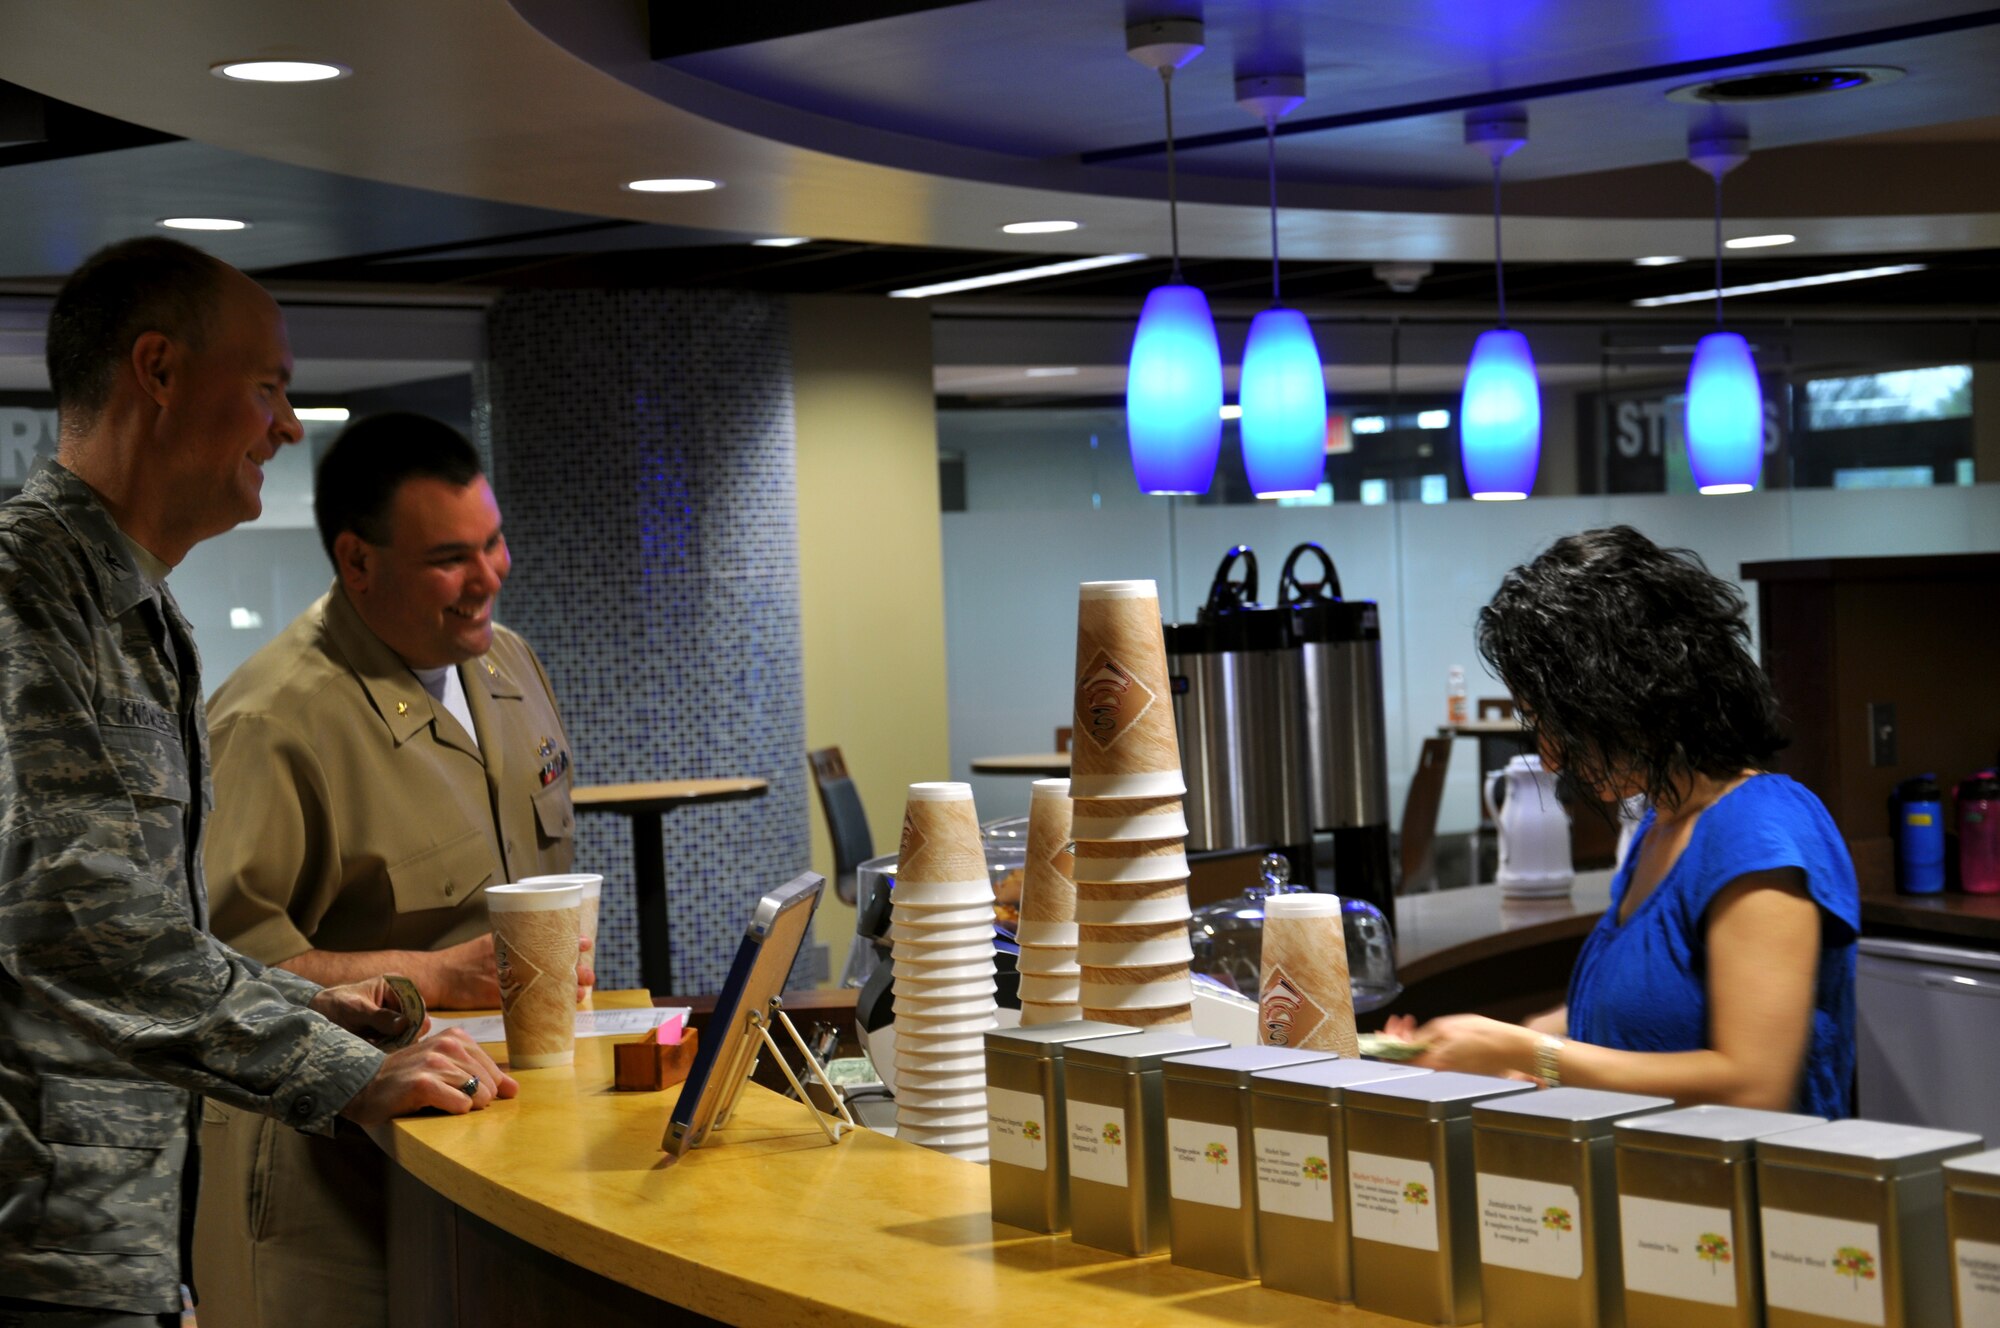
point(1724, 970)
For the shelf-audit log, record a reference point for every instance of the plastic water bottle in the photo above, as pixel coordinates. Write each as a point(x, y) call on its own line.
point(1919, 821)
point(1454, 695)
point(1979, 834)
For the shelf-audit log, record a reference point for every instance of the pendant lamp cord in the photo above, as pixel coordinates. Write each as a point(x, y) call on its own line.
point(1173, 196)
point(1718, 248)
point(1499, 266)
point(1271, 150)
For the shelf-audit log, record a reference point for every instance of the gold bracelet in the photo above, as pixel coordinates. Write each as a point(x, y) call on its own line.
point(1548, 1060)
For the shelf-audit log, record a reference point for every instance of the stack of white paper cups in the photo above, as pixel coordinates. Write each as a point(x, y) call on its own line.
point(1126, 816)
point(941, 937)
point(1047, 931)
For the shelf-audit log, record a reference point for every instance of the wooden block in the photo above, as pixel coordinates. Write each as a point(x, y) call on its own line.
point(646, 1065)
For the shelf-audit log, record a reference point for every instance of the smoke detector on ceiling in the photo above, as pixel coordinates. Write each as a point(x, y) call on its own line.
point(1402, 278)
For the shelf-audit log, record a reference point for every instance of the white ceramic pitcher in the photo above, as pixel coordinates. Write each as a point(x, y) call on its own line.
point(1534, 830)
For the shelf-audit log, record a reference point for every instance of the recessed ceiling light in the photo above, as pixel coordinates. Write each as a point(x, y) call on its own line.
point(782, 242)
point(278, 71)
point(323, 414)
point(202, 224)
point(1758, 241)
point(1013, 275)
point(687, 186)
point(1791, 283)
point(1784, 84)
point(1232, 412)
point(1658, 260)
point(1051, 371)
point(1040, 227)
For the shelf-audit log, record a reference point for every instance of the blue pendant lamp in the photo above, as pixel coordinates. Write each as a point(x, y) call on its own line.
point(1725, 402)
point(1283, 389)
point(1173, 387)
point(1500, 410)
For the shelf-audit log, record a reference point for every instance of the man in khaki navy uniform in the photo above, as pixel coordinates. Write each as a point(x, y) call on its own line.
point(388, 756)
point(117, 1006)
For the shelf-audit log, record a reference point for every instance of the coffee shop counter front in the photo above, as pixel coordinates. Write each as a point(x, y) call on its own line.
point(560, 1207)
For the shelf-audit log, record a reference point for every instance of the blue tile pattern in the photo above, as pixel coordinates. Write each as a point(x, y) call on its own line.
point(642, 447)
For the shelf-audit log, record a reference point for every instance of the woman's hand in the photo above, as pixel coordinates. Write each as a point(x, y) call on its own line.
point(1475, 1044)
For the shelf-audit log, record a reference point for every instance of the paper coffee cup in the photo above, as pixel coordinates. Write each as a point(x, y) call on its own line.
point(1046, 933)
point(901, 933)
point(1135, 996)
point(959, 1143)
point(1304, 997)
point(593, 892)
point(941, 915)
point(936, 1109)
point(1036, 987)
point(928, 1066)
point(953, 954)
point(918, 1025)
point(535, 930)
point(1164, 1017)
point(1124, 744)
point(1047, 888)
point(1127, 947)
point(1124, 861)
point(946, 990)
point(913, 1006)
point(1132, 912)
point(914, 969)
point(1049, 1012)
point(1102, 819)
point(941, 843)
point(941, 894)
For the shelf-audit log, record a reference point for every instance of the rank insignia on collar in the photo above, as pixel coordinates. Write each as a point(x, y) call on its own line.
point(402, 707)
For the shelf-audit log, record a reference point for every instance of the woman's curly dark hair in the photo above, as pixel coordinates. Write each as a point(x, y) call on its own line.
point(1631, 663)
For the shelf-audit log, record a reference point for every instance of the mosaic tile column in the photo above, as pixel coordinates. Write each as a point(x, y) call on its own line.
point(642, 448)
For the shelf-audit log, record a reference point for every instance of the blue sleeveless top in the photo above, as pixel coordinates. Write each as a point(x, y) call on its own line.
point(1643, 986)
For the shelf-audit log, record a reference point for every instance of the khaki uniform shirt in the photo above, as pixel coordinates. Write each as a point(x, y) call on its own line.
point(116, 1005)
point(355, 813)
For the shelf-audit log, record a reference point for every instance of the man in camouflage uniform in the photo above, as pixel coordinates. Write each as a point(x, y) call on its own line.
point(117, 1008)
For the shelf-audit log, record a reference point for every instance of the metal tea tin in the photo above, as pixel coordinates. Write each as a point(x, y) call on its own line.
point(1211, 1171)
point(1548, 1216)
point(1028, 1160)
point(1853, 1224)
point(1972, 1223)
point(1413, 1214)
point(1114, 1110)
point(1687, 1215)
point(1298, 1128)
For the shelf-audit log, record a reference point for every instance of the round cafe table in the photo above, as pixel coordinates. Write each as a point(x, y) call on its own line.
point(1042, 765)
point(646, 803)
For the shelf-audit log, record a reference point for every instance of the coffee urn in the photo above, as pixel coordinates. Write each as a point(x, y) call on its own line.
point(1346, 746)
point(1235, 680)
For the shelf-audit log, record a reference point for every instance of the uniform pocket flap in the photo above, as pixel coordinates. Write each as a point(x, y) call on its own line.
point(445, 876)
point(152, 765)
point(111, 1113)
point(553, 811)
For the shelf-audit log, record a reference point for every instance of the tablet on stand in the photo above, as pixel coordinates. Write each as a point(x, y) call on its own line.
point(749, 1007)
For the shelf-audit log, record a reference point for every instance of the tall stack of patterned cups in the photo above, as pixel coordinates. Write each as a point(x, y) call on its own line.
point(1047, 930)
point(1127, 819)
point(941, 938)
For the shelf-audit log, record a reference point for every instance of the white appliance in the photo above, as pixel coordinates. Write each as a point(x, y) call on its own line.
point(1534, 830)
point(1929, 1036)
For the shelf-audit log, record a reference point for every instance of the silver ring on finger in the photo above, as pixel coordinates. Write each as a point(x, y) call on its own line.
point(471, 1086)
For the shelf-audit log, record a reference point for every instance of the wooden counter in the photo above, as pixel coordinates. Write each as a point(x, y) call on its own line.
point(1947, 919)
point(1473, 950)
point(559, 1207)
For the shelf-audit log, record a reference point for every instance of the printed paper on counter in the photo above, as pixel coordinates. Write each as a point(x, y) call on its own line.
point(589, 1023)
point(1204, 1163)
point(1393, 1200)
point(1686, 1251)
point(1015, 1130)
point(1530, 1225)
point(1097, 1142)
point(1823, 1265)
point(1977, 1265)
point(1293, 1175)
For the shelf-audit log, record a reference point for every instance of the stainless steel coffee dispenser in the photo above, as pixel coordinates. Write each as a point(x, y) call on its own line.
point(1346, 743)
point(1235, 678)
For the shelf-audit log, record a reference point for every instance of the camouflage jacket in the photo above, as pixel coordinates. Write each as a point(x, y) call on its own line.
point(116, 1006)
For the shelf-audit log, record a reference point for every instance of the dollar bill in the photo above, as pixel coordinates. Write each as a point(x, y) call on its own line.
point(411, 1002)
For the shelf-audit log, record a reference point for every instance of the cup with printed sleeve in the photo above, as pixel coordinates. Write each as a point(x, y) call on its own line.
point(593, 891)
point(1305, 998)
point(535, 930)
point(1125, 744)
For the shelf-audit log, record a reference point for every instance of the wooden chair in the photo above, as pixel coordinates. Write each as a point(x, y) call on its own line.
point(1420, 817)
point(846, 821)
point(1062, 738)
point(1496, 707)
